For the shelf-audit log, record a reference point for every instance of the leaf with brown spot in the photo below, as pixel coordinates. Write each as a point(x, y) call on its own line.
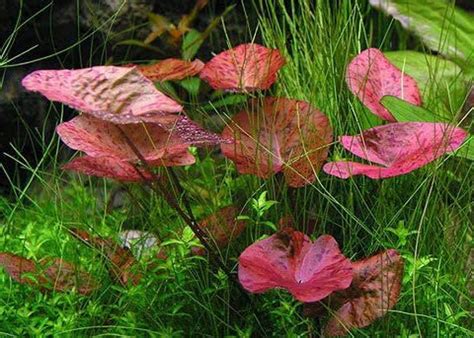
point(279, 135)
point(49, 274)
point(374, 290)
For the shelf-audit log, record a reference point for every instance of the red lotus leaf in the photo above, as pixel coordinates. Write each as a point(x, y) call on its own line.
point(122, 264)
point(289, 260)
point(171, 69)
point(98, 138)
point(221, 227)
point(374, 290)
point(398, 148)
point(116, 94)
point(55, 274)
point(107, 167)
point(371, 76)
point(246, 67)
point(279, 135)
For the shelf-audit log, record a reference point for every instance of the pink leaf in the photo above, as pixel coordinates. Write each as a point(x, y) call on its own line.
point(116, 94)
point(374, 290)
point(398, 148)
point(371, 76)
point(107, 167)
point(289, 260)
point(280, 135)
point(98, 138)
point(246, 67)
point(171, 69)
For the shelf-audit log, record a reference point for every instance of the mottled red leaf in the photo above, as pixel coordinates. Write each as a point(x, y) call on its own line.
point(55, 274)
point(289, 260)
point(246, 67)
point(279, 135)
point(397, 148)
point(122, 264)
point(107, 167)
point(221, 227)
point(193, 133)
point(116, 94)
point(171, 69)
point(374, 290)
point(371, 76)
point(98, 138)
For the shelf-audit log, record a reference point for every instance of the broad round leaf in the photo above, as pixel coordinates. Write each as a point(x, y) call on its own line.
point(246, 67)
point(371, 76)
point(398, 148)
point(107, 167)
point(374, 290)
point(289, 260)
point(116, 94)
point(171, 69)
point(279, 135)
point(98, 138)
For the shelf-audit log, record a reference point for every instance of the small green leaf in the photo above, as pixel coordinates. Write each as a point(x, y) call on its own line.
point(228, 100)
point(191, 85)
point(192, 41)
point(466, 150)
point(407, 112)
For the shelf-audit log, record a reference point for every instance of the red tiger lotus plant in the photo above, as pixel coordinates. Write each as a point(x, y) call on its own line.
point(310, 271)
point(318, 274)
point(396, 149)
point(115, 100)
